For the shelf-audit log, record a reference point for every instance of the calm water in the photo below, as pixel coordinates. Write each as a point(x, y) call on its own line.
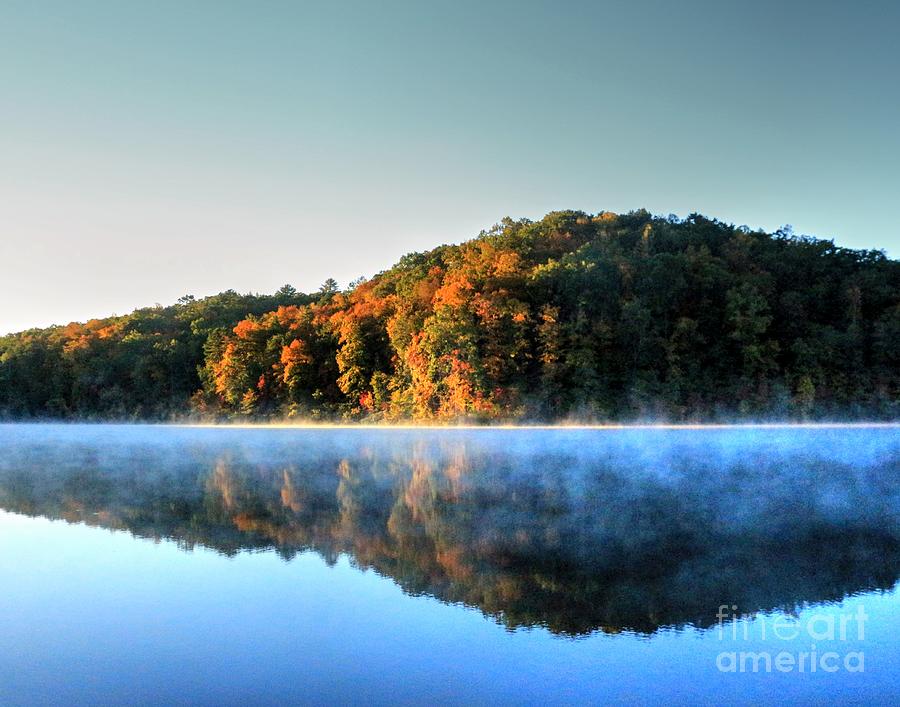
point(251, 566)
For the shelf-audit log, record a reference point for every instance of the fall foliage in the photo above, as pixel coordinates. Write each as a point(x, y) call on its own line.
point(576, 316)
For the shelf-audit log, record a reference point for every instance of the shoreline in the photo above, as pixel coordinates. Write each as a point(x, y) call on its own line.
point(610, 427)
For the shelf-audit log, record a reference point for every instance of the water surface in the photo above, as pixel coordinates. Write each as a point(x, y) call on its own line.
point(164, 564)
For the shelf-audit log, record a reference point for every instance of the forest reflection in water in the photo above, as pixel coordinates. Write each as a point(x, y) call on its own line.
point(572, 530)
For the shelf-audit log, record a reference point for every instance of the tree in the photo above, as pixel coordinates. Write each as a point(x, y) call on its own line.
point(604, 316)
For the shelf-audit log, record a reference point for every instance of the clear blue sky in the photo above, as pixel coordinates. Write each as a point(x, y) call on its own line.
point(154, 149)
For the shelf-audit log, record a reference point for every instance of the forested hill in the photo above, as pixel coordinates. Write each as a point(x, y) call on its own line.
point(573, 317)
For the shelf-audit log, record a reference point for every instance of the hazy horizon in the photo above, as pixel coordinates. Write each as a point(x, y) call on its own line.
point(200, 295)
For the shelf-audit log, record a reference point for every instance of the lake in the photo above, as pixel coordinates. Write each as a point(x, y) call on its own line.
point(177, 565)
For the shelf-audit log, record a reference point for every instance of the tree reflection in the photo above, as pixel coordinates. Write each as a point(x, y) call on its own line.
point(573, 536)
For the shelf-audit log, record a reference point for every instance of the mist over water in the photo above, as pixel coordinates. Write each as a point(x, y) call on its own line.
point(575, 531)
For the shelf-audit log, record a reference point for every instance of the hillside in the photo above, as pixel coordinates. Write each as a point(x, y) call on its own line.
point(573, 317)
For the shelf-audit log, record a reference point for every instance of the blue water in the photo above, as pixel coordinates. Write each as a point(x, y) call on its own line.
point(169, 565)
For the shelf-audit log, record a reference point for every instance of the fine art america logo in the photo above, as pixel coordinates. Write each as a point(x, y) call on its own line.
point(819, 639)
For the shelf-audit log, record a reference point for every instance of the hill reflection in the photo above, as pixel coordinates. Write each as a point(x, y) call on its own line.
point(574, 531)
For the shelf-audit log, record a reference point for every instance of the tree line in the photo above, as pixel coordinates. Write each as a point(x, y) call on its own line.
point(577, 316)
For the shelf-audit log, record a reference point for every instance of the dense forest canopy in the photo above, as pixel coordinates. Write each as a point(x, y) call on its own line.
point(573, 317)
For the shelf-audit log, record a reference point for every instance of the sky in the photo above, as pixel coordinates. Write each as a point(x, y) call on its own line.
point(154, 149)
